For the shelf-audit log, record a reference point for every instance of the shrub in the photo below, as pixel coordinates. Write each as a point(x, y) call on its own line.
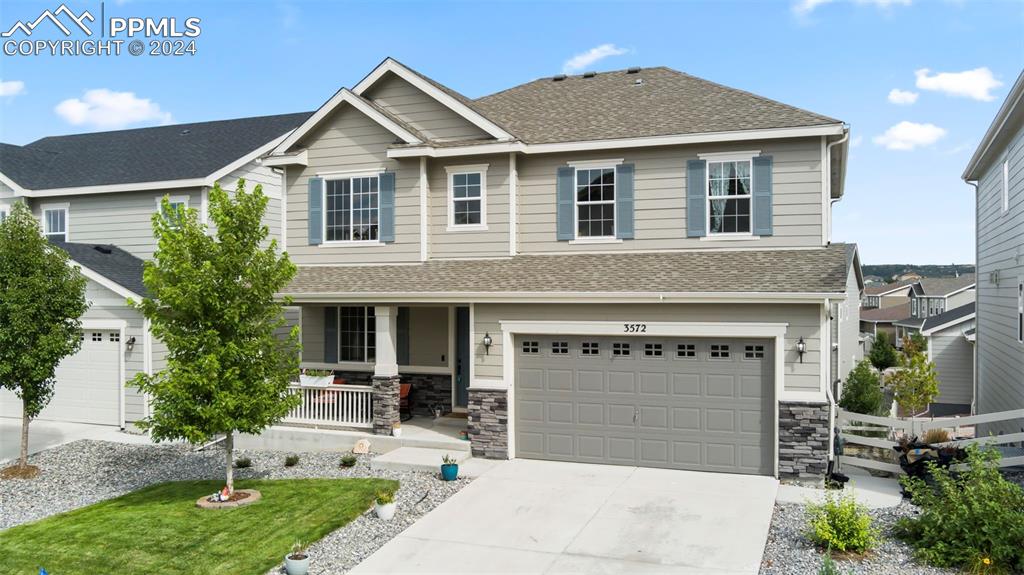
point(385, 497)
point(967, 517)
point(862, 392)
point(915, 384)
point(914, 343)
point(938, 435)
point(348, 460)
point(243, 462)
point(882, 354)
point(291, 461)
point(828, 565)
point(840, 523)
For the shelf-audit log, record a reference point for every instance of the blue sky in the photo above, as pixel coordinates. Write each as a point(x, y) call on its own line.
point(842, 58)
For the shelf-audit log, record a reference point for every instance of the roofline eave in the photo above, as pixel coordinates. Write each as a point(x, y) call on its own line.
point(563, 297)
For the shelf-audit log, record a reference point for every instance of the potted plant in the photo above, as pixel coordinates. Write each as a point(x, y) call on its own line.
point(316, 377)
point(384, 505)
point(396, 429)
point(297, 562)
point(449, 468)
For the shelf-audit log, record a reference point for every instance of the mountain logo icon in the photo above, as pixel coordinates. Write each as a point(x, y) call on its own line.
point(54, 16)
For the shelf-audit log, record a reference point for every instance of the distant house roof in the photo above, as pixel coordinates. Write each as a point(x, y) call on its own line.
point(886, 314)
point(163, 153)
point(914, 322)
point(886, 288)
point(949, 318)
point(943, 286)
point(822, 270)
point(109, 261)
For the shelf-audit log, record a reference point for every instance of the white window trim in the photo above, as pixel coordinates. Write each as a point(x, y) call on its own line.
point(591, 164)
point(174, 200)
point(5, 209)
point(577, 239)
point(1020, 308)
point(1006, 186)
point(720, 158)
point(66, 206)
point(338, 176)
point(471, 169)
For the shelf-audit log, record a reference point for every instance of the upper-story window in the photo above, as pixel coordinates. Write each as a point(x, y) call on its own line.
point(595, 202)
point(352, 209)
point(913, 307)
point(467, 197)
point(175, 209)
point(55, 221)
point(729, 197)
point(3, 212)
point(1006, 186)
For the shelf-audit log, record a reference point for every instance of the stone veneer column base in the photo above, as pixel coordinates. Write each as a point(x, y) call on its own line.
point(385, 404)
point(803, 440)
point(488, 423)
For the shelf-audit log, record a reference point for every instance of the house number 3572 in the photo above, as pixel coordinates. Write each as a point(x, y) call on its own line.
point(635, 327)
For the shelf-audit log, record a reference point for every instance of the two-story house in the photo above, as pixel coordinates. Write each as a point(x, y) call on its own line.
point(95, 195)
point(930, 297)
point(996, 170)
point(886, 295)
point(630, 267)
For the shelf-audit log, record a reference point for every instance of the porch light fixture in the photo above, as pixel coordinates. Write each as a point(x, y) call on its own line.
point(130, 344)
point(487, 342)
point(801, 348)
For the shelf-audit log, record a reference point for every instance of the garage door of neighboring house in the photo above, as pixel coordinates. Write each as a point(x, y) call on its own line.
point(86, 388)
point(682, 403)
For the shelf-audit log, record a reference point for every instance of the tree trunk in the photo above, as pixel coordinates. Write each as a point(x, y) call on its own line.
point(229, 447)
point(25, 419)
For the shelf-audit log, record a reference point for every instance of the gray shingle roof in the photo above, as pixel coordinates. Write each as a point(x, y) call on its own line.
point(945, 286)
point(764, 271)
point(182, 151)
point(109, 261)
point(883, 288)
point(886, 314)
point(611, 105)
point(950, 316)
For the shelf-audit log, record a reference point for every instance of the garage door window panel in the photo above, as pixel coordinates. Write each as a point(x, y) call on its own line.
point(719, 351)
point(590, 349)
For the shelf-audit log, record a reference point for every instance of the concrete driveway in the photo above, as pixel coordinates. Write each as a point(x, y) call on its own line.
point(46, 434)
point(528, 516)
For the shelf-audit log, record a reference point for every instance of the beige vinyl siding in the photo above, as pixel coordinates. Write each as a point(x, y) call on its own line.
point(803, 319)
point(349, 141)
point(421, 111)
point(123, 218)
point(660, 197)
point(257, 175)
point(492, 242)
point(1000, 241)
point(960, 299)
point(894, 299)
point(953, 356)
point(5, 191)
point(850, 351)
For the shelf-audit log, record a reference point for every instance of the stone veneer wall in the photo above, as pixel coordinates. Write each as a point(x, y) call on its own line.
point(488, 423)
point(428, 389)
point(385, 404)
point(803, 440)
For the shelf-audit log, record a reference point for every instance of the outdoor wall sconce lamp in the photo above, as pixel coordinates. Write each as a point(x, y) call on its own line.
point(801, 348)
point(487, 343)
point(130, 344)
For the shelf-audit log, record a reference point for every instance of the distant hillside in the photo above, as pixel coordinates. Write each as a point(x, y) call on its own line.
point(889, 270)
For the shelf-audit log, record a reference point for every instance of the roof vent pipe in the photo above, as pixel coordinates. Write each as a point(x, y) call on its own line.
point(558, 78)
point(589, 74)
point(633, 70)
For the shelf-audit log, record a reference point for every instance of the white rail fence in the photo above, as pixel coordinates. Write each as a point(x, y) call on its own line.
point(853, 428)
point(334, 405)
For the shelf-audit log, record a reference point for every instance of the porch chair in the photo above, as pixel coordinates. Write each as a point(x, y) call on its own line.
point(404, 405)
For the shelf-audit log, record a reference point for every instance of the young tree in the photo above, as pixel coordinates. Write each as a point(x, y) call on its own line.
point(42, 298)
point(914, 343)
point(883, 354)
point(862, 392)
point(914, 384)
point(212, 303)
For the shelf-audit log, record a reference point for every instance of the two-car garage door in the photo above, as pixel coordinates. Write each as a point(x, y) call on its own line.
point(680, 403)
point(87, 384)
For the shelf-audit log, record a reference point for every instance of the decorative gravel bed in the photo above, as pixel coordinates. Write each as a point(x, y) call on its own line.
point(83, 472)
point(789, 552)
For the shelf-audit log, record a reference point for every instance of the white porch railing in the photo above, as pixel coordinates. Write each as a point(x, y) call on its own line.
point(334, 405)
point(888, 426)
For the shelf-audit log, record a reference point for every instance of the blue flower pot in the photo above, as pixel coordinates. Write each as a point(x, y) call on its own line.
point(450, 471)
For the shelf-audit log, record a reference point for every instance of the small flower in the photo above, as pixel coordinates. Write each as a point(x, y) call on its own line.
point(986, 561)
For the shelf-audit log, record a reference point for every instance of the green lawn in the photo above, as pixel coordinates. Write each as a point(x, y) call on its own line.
point(159, 530)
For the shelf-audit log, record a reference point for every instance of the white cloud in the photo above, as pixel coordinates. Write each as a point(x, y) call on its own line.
point(897, 96)
point(107, 109)
point(11, 87)
point(805, 7)
point(976, 84)
point(591, 56)
point(856, 141)
point(909, 135)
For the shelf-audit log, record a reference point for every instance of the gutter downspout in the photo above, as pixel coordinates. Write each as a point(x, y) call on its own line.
point(977, 317)
point(828, 390)
point(828, 178)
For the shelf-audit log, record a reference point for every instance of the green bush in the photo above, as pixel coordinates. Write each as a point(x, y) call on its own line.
point(840, 523)
point(862, 392)
point(243, 462)
point(882, 354)
point(291, 460)
point(348, 460)
point(968, 517)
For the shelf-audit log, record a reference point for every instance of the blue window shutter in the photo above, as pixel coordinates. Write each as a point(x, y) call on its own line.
point(762, 196)
point(387, 207)
point(624, 201)
point(315, 221)
point(330, 334)
point(566, 191)
point(696, 198)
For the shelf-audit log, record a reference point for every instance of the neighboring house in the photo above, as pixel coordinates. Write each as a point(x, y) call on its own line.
point(870, 280)
point(934, 296)
point(883, 320)
point(908, 277)
point(630, 267)
point(886, 295)
point(997, 171)
point(95, 195)
point(950, 340)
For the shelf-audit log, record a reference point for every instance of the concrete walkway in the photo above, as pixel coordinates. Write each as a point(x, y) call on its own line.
point(527, 516)
point(870, 491)
point(46, 434)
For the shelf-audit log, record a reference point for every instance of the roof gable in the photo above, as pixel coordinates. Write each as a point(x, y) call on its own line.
point(433, 119)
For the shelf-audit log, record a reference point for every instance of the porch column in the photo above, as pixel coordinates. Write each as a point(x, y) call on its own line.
point(385, 371)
